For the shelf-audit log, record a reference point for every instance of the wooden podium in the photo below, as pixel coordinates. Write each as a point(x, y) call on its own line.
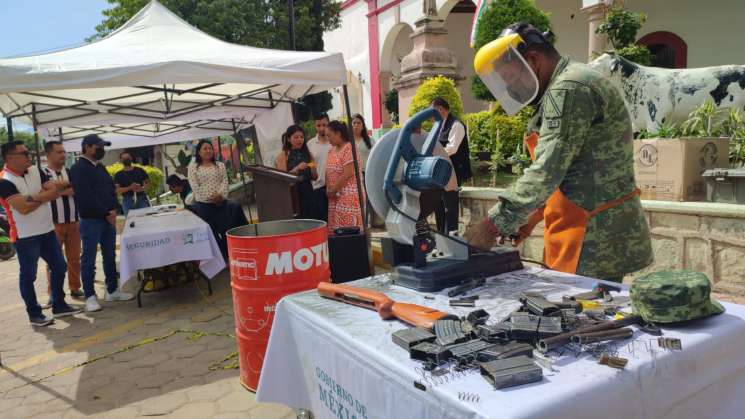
point(276, 193)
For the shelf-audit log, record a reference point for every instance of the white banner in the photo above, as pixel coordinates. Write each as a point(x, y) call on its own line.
point(160, 239)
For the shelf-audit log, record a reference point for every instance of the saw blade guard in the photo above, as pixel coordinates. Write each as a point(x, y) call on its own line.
point(381, 156)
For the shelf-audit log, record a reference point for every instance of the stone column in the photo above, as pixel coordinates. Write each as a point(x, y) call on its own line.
point(596, 42)
point(430, 57)
point(385, 86)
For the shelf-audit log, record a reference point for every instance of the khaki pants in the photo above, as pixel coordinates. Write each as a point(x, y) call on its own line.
point(68, 235)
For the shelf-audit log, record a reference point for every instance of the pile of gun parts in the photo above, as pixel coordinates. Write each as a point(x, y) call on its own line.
point(506, 353)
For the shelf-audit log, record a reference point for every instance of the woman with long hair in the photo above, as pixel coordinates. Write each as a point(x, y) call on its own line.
point(362, 139)
point(209, 182)
point(295, 158)
point(341, 180)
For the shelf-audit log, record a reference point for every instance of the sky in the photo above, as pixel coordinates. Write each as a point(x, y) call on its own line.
point(37, 26)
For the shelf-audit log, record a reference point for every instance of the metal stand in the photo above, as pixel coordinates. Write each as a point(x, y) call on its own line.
point(144, 282)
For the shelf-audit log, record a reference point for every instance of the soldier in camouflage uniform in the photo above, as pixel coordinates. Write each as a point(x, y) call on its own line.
point(581, 182)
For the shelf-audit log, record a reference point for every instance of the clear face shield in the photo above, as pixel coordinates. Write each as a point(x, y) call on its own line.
point(511, 80)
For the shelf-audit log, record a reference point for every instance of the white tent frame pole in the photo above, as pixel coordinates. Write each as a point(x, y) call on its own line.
point(354, 158)
point(241, 145)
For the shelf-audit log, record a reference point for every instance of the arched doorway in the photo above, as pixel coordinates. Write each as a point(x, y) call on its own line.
point(397, 45)
point(668, 49)
point(458, 15)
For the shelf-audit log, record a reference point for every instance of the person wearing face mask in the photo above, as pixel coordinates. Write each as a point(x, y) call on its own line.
point(130, 183)
point(581, 182)
point(95, 198)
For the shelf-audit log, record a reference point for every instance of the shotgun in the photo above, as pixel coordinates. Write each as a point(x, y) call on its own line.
point(412, 314)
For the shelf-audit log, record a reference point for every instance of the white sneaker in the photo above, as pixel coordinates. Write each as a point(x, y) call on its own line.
point(118, 295)
point(91, 304)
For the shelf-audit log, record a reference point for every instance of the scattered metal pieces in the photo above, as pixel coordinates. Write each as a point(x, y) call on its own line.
point(463, 303)
point(670, 343)
point(407, 338)
point(467, 286)
point(477, 317)
point(429, 297)
point(469, 397)
point(603, 335)
point(543, 360)
point(429, 352)
point(466, 353)
point(538, 304)
point(498, 332)
point(613, 361)
point(511, 372)
point(505, 350)
point(420, 386)
point(449, 332)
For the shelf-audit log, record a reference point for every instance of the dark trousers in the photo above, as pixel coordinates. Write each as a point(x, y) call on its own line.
point(446, 213)
point(323, 203)
point(95, 231)
point(29, 250)
point(221, 218)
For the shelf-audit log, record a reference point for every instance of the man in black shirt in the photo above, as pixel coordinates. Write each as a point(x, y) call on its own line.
point(97, 206)
point(130, 184)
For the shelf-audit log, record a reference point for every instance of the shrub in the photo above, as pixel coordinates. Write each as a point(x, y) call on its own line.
point(438, 86)
point(497, 16)
point(495, 132)
point(391, 104)
point(154, 174)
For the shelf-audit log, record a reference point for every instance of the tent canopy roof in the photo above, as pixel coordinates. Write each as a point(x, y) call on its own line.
point(158, 68)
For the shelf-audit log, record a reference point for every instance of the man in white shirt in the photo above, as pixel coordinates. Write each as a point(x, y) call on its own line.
point(25, 193)
point(319, 147)
point(454, 139)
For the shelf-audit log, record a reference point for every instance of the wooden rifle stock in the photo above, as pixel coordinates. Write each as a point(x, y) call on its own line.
point(416, 315)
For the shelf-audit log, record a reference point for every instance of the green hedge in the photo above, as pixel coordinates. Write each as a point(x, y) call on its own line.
point(434, 87)
point(495, 132)
point(155, 175)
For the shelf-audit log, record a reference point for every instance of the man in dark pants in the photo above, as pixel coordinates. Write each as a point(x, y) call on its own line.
point(25, 193)
point(130, 183)
point(95, 198)
point(454, 139)
point(319, 147)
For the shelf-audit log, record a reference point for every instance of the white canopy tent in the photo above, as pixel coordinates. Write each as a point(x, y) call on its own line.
point(158, 79)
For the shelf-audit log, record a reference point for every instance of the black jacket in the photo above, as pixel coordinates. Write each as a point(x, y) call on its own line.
point(461, 161)
point(94, 189)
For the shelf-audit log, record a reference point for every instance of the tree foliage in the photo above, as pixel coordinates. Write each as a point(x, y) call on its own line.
point(434, 87)
point(257, 23)
point(497, 16)
point(621, 27)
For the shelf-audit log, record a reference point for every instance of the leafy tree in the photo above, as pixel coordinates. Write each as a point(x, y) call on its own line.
point(258, 23)
point(26, 137)
point(621, 27)
point(497, 16)
point(433, 87)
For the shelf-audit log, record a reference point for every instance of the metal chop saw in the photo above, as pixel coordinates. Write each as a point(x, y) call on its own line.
point(405, 176)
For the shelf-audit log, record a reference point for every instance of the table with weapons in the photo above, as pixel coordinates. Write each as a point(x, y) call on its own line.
point(529, 343)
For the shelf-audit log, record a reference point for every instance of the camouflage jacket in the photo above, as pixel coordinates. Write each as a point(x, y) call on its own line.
point(585, 149)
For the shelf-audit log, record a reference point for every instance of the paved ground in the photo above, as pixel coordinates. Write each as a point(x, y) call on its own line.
point(125, 362)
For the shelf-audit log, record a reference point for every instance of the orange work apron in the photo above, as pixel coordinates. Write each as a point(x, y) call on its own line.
point(565, 223)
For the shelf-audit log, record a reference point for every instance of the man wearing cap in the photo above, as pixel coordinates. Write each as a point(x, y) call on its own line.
point(581, 182)
point(95, 198)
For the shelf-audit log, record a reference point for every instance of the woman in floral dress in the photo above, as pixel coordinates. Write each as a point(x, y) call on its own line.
point(341, 182)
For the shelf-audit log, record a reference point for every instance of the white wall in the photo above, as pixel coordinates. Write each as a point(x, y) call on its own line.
point(352, 41)
point(710, 29)
point(569, 25)
point(458, 26)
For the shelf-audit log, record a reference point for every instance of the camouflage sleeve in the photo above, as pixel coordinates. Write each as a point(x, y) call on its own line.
point(568, 112)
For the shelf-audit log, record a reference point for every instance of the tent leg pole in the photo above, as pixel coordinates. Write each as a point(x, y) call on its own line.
point(36, 137)
point(9, 123)
point(355, 161)
point(241, 145)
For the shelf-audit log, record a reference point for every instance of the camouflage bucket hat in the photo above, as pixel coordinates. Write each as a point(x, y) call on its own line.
point(673, 296)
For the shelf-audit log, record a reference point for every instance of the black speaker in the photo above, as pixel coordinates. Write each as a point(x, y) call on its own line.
point(348, 257)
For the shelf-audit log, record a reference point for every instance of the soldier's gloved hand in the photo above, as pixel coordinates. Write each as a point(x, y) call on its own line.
point(484, 235)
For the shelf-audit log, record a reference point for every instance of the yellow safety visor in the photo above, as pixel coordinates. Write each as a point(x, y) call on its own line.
point(506, 74)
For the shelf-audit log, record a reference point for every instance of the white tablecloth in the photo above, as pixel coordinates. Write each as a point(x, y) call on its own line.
point(165, 238)
point(339, 361)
